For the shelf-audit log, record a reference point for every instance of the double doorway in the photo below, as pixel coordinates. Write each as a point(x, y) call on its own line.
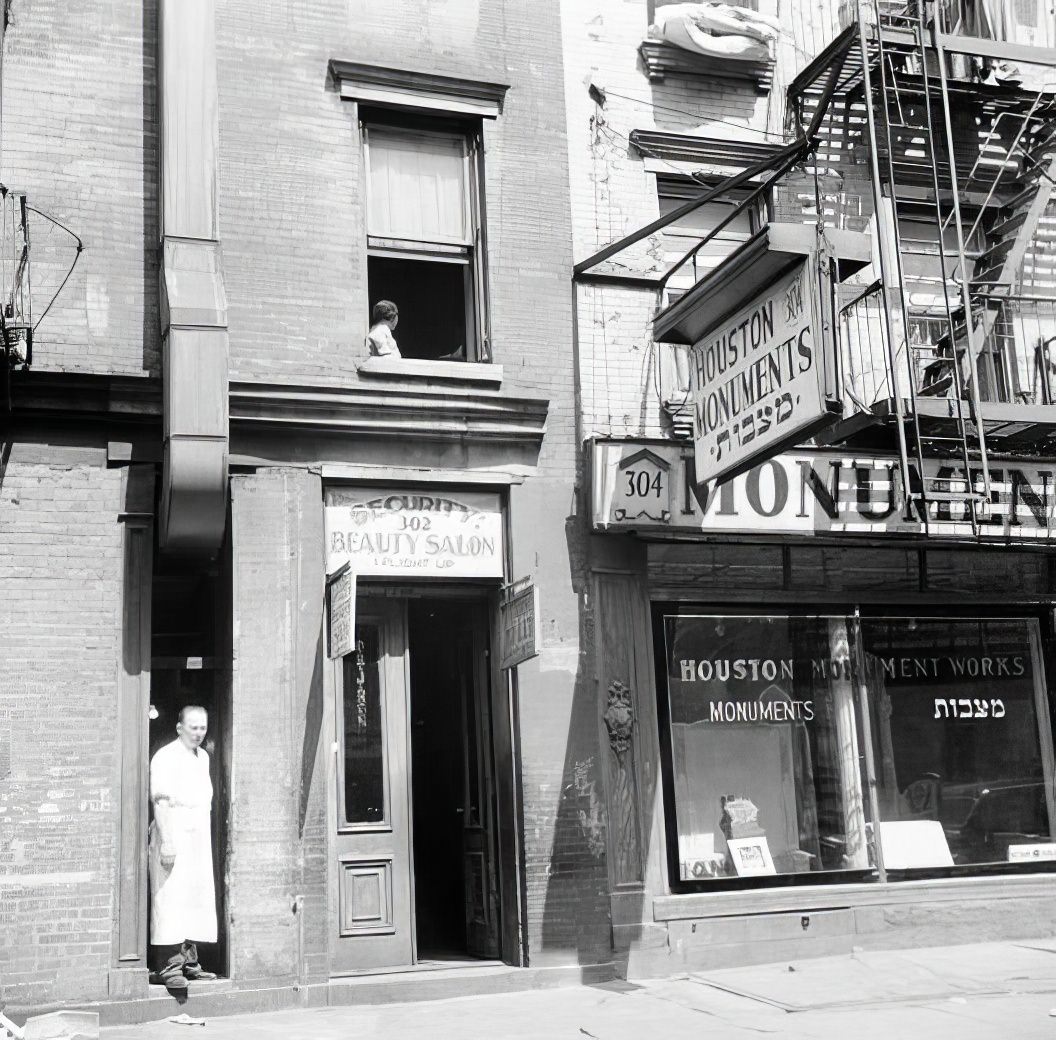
point(417, 864)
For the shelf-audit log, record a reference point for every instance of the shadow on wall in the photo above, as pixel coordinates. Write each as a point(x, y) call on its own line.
point(313, 729)
point(576, 904)
point(151, 221)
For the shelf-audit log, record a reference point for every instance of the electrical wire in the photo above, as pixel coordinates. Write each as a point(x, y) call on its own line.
point(646, 102)
point(69, 273)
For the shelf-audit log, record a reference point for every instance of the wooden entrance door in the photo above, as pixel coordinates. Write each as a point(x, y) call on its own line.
point(478, 810)
point(372, 878)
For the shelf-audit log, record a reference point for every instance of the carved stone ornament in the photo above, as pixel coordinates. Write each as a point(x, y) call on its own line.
point(619, 716)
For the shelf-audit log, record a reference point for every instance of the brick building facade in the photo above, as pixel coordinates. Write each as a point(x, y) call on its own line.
point(697, 587)
point(201, 404)
point(202, 453)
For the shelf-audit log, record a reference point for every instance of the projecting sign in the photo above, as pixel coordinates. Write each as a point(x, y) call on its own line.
point(398, 532)
point(342, 586)
point(518, 618)
point(757, 381)
point(650, 486)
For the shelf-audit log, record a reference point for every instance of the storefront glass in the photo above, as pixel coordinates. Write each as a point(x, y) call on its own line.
point(765, 746)
point(363, 764)
point(959, 764)
point(770, 765)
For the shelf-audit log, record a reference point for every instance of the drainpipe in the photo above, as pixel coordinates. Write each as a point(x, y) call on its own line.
point(193, 300)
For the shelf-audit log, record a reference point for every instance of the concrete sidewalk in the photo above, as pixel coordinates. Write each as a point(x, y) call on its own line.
point(990, 991)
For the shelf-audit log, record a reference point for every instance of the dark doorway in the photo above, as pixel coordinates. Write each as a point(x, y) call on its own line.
point(183, 672)
point(455, 893)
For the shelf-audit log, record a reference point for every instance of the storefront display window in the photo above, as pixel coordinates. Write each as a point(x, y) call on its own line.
point(765, 746)
point(789, 735)
point(958, 747)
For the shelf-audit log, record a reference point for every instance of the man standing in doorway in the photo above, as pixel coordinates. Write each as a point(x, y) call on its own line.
point(183, 903)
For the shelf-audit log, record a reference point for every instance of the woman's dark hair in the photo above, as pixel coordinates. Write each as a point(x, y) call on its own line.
point(384, 310)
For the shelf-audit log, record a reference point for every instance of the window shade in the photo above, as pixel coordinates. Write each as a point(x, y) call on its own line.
point(417, 185)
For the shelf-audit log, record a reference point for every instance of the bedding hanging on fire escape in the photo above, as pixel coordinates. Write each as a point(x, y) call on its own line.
point(716, 30)
point(1031, 23)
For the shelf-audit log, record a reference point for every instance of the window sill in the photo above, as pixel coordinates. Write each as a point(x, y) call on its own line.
point(796, 898)
point(431, 371)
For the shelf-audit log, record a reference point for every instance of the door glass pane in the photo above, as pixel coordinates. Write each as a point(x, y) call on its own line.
point(765, 747)
point(960, 774)
point(363, 751)
point(470, 727)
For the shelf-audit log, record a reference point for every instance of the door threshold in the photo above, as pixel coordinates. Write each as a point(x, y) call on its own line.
point(425, 964)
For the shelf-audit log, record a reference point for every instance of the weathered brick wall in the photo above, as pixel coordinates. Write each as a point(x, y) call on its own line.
point(61, 573)
point(293, 235)
point(277, 836)
point(291, 181)
point(79, 137)
point(624, 374)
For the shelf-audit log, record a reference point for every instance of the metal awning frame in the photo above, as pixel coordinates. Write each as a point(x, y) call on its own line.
point(777, 164)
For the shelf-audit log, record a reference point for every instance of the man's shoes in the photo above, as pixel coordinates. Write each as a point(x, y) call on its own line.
point(171, 976)
point(195, 974)
point(191, 968)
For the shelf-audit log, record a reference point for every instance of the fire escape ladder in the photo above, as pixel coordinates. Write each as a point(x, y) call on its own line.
point(902, 120)
point(997, 271)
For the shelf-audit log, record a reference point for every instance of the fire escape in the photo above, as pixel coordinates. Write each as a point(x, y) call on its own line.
point(952, 346)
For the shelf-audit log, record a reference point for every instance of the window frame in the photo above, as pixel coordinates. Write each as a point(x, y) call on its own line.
point(1043, 653)
point(683, 188)
point(471, 252)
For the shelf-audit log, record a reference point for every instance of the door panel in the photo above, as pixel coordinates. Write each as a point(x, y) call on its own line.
point(478, 813)
point(373, 898)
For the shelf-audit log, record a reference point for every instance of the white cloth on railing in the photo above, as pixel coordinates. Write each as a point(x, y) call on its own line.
point(716, 30)
point(1031, 23)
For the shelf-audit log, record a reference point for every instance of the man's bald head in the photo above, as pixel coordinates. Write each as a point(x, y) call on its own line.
point(192, 725)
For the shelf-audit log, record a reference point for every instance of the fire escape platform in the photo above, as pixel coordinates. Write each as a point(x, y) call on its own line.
point(1008, 427)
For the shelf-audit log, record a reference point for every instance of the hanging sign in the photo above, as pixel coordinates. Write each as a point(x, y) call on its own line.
point(342, 591)
point(519, 620)
point(757, 381)
point(397, 532)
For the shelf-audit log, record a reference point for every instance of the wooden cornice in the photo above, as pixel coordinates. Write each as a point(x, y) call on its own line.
point(391, 409)
point(412, 89)
point(663, 59)
point(422, 410)
point(85, 397)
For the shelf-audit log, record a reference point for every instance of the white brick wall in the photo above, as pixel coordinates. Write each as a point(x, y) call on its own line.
point(624, 375)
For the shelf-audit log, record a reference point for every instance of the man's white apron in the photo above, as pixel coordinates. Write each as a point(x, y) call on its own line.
point(183, 903)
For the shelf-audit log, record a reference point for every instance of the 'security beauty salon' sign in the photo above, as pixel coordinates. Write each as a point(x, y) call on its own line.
point(380, 531)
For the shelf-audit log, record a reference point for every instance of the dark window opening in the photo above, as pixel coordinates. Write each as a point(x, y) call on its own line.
point(425, 236)
point(432, 298)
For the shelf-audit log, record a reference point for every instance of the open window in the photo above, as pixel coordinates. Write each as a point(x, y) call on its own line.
point(681, 236)
point(677, 240)
point(425, 249)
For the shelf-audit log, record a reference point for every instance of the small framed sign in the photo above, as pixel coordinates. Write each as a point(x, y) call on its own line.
point(1032, 853)
point(342, 595)
point(751, 857)
point(519, 621)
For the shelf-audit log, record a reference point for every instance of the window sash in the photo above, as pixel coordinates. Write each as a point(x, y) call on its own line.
point(418, 186)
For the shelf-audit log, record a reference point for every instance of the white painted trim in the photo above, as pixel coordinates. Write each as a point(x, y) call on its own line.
point(333, 471)
point(440, 371)
point(410, 98)
point(833, 897)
